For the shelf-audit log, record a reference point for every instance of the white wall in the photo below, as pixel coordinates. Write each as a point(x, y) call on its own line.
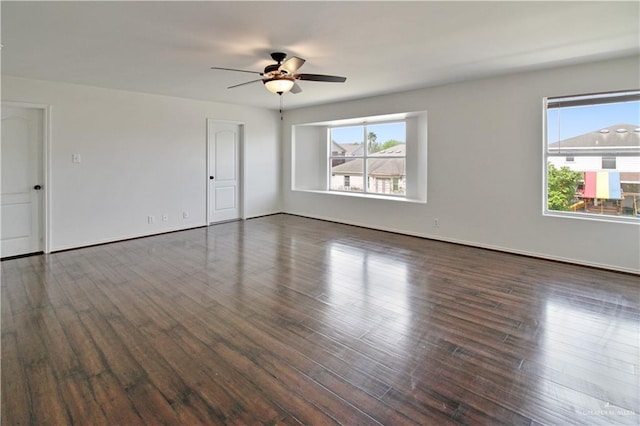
point(141, 155)
point(484, 167)
point(309, 144)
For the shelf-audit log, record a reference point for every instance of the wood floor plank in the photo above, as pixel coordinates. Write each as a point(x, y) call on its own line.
point(117, 357)
point(225, 358)
point(113, 400)
point(221, 404)
point(80, 401)
point(187, 405)
point(15, 395)
point(289, 320)
point(301, 370)
point(47, 403)
point(89, 357)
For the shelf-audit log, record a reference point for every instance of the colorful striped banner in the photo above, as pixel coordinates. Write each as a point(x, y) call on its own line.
point(589, 185)
point(602, 185)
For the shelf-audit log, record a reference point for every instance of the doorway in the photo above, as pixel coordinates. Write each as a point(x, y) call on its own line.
point(23, 188)
point(224, 170)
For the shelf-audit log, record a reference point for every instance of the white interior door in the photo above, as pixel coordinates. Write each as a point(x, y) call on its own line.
point(224, 171)
point(22, 180)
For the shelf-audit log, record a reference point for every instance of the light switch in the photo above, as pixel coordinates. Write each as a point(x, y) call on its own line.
point(75, 158)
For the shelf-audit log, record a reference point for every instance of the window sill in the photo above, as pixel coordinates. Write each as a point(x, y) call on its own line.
point(367, 196)
point(592, 217)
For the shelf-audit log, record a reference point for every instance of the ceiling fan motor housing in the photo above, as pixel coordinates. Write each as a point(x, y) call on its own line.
point(271, 68)
point(278, 56)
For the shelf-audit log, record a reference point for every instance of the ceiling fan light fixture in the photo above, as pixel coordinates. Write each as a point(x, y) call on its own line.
point(280, 78)
point(279, 85)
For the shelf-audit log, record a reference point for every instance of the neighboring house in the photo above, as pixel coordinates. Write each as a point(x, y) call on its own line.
point(337, 149)
point(613, 148)
point(353, 149)
point(345, 150)
point(609, 159)
point(385, 175)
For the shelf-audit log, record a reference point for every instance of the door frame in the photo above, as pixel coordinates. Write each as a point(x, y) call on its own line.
point(211, 122)
point(46, 167)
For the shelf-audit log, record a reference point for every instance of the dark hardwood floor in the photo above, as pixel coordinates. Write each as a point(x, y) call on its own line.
point(288, 320)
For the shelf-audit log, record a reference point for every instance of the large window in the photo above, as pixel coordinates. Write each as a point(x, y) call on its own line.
point(592, 156)
point(382, 157)
point(368, 158)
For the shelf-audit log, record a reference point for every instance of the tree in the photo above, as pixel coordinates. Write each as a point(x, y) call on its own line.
point(373, 145)
point(561, 187)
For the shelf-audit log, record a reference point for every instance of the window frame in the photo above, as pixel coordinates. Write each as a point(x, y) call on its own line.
point(309, 167)
point(582, 100)
point(365, 157)
point(609, 162)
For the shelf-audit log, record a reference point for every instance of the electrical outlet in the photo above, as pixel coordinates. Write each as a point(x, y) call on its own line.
point(436, 223)
point(150, 220)
point(165, 217)
point(185, 215)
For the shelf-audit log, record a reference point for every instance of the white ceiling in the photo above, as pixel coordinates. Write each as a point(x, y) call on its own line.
point(381, 47)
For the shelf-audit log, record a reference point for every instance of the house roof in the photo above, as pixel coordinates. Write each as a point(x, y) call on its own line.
point(353, 148)
point(619, 135)
point(399, 149)
point(337, 148)
point(378, 165)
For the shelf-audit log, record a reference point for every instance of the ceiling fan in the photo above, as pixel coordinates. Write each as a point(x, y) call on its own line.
point(281, 77)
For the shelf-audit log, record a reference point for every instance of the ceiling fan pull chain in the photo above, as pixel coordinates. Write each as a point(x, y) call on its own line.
point(281, 107)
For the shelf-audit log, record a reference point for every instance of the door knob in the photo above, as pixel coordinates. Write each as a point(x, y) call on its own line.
point(37, 187)
point(211, 177)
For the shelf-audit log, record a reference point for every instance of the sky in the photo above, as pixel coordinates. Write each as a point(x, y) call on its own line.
point(383, 131)
point(576, 121)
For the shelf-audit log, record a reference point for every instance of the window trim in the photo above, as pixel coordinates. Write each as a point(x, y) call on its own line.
point(309, 143)
point(582, 100)
point(365, 190)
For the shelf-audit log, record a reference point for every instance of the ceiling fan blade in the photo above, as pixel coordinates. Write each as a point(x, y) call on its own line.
point(291, 65)
point(234, 69)
point(320, 77)
point(242, 84)
point(296, 88)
